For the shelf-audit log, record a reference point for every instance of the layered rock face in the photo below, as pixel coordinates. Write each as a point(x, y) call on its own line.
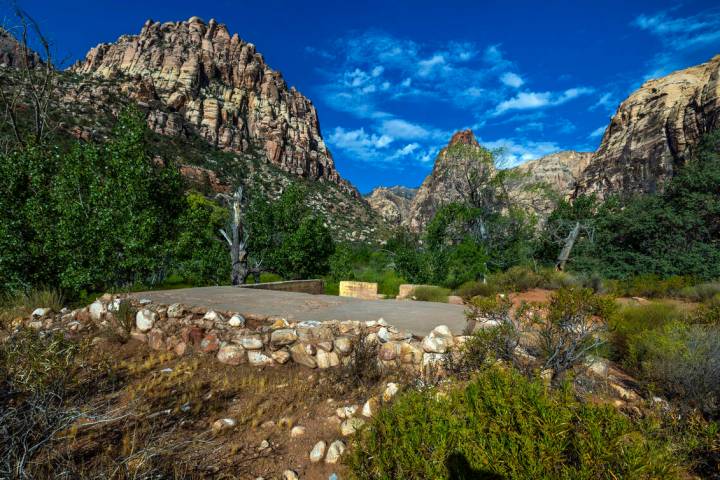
point(654, 132)
point(11, 53)
point(392, 203)
point(559, 171)
point(436, 190)
point(218, 85)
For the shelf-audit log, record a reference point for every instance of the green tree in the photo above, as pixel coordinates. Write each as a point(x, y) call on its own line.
point(287, 237)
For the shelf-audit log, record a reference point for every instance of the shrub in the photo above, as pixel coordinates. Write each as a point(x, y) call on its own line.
point(700, 293)
point(472, 289)
point(431, 294)
point(21, 304)
point(634, 320)
point(502, 425)
point(515, 279)
point(572, 328)
point(681, 361)
point(362, 369)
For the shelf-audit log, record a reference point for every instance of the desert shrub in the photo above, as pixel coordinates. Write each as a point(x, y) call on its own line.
point(362, 370)
point(515, 279)
point(650, 286)
point(555, 279)
point(428, 293)
point(681, 361)
point(573, 326)
point(475, 288)
point(701, 292)
point(633, 320)
point(502, 425)
point(707, 313)
point(21, 304)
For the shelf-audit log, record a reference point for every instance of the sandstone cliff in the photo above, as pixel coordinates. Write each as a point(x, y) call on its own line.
point(654, 131)
point(11, 54)
point(559, 172)
point(392, 203)
point(219, 86)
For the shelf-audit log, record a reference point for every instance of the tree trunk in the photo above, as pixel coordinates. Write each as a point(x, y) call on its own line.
point(237, 241)
point(567, 248)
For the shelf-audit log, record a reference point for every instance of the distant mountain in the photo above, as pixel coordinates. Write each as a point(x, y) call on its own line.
point(392, 203)
point(654, 131)
point(559, 171)
point(11, 53)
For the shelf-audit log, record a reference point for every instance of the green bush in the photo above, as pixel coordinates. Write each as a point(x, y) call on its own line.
point(475, 289)
point(700, 293)
point(681, 361)
point(632, 321)
point(516, 279)
point(502, 425)
point(650, 286)
point(428, 293)
point(21, 304)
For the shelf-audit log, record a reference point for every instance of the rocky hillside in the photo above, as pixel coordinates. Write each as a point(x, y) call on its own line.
point(11, 54)
point(558, 172)
point(216, 110)
point(220, 87)
point(392, 203)
point(654, 131)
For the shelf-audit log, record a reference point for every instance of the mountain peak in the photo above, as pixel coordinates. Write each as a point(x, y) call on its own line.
point(203, 80)
point(464, 137)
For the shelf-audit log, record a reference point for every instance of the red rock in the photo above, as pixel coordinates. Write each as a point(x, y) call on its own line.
point(210, 343)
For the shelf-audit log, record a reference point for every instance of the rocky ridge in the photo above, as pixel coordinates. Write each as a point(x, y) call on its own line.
point(11, 54)
point(558, 171)
point(220, 87)
point(392, 203)
point(654, 132)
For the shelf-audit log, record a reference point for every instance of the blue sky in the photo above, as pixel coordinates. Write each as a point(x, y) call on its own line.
point(393, 80)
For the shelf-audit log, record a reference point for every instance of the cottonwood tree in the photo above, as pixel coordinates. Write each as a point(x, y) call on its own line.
point(28, 82)
point(238, 237)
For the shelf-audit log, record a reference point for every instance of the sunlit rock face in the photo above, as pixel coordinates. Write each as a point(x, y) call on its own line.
point(654, 131)
point(199, 76)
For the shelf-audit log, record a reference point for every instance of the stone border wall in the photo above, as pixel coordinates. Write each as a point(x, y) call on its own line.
point(314, 287)
point(235, 338)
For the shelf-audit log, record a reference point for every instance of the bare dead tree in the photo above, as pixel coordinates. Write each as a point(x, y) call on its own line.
point(574, 231)
point(238, 237)
point(29, 83)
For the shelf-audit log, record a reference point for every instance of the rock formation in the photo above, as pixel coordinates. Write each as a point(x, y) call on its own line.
point(195, 74)
point(11, 53)
point(654, 131)
point(392, 203)
point(558, 171)
point(436, 190)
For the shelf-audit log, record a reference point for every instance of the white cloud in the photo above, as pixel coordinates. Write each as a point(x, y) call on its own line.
point(679, 35)
point(512, 80)
point(426, 67)
point(360, 144)
point(598, 132)
point(513, 152)
point(532, 100)
point(607, 102)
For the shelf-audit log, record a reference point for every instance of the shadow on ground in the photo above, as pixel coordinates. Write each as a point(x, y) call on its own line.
point(460, 469)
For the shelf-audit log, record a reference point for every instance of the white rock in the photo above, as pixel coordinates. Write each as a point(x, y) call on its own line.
point(439, 340)
point(223, 424)
point(145, 301)
point(433, 360)
point(236, 321)
point(250, 342)
point(390, 390)
point(336, 449)
point(258, 358)
point(346, 412)
point(97, 309)
point(371, 323)
point(381, 321)
point(212, 315)
point(231, 354)
point(176, 310)
point(297, 431)
point(41, 312)
point(264, 445)
point(383, 334)
point(318, 451)
point(281, 356)
point(327, 359)
point(370, 407)
point(351, 425)
point(290, 475)
point(145, 319)
point(343, 345)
